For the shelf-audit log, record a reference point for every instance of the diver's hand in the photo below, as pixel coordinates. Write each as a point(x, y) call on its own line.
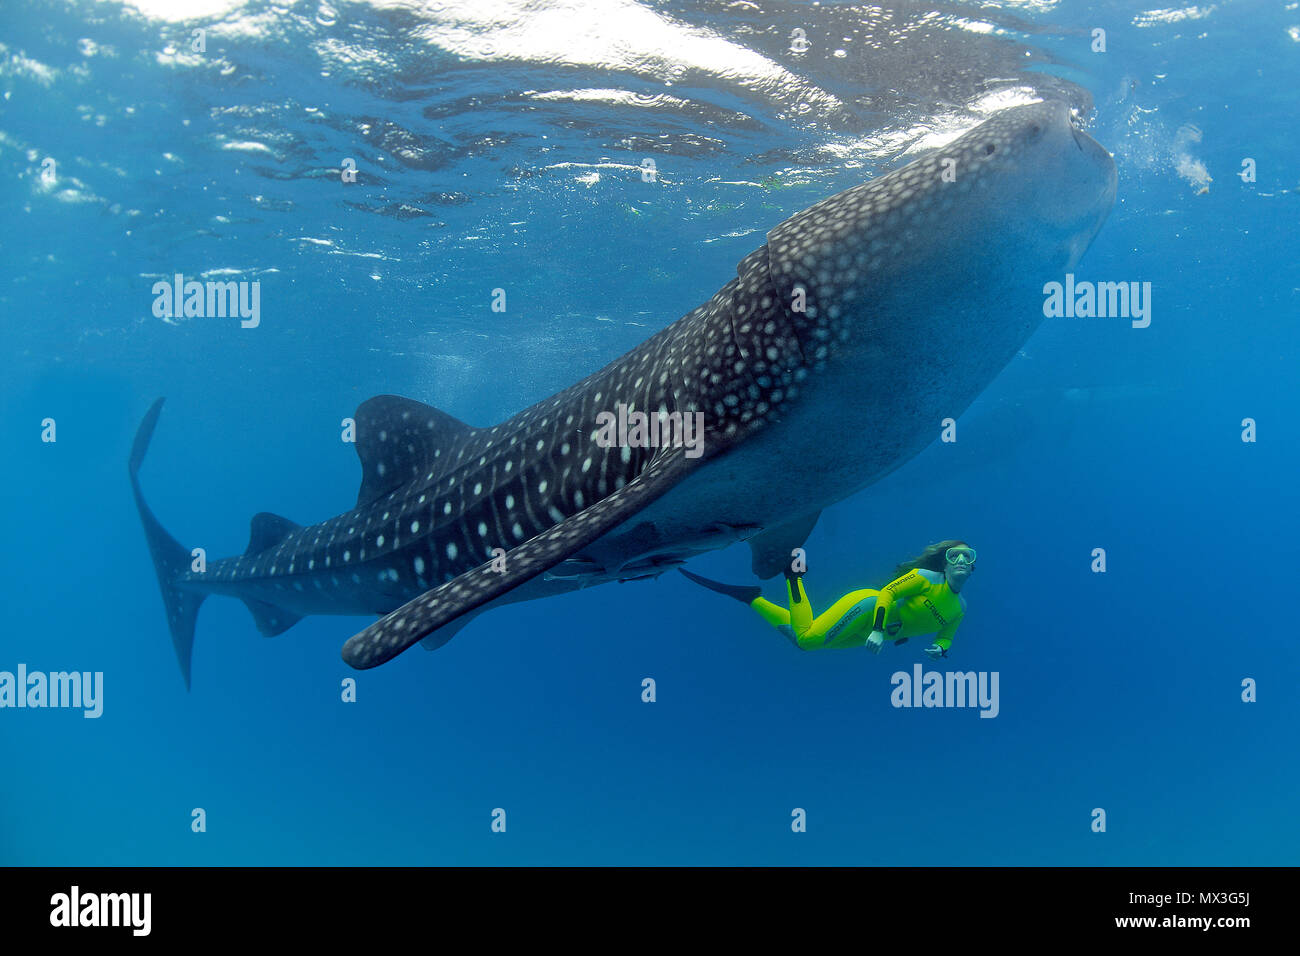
point(875, 642)
point(934, 652)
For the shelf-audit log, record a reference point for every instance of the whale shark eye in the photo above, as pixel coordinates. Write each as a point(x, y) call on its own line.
point(988, 149)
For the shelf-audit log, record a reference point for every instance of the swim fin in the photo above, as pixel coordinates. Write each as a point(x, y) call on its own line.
point(745, 595)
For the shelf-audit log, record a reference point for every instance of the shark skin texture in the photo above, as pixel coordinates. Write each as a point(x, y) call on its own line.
point(876, 312)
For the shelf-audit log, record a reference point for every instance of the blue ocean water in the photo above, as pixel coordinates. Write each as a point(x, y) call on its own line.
point(498, 147)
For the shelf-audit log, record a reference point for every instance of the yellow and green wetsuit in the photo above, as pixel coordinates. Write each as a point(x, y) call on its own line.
point(919, 602)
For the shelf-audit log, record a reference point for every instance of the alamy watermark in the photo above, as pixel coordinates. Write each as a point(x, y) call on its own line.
point(75, 908)
point(84, 690)
point(1102, 300)
point(947, 689)
point(198, 300)
point(628, 429)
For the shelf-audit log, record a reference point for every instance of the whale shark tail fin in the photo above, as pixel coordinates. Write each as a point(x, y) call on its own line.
point(170, 558)
point(743, 594)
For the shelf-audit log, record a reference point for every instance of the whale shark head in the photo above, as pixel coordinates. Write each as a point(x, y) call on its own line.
point(927, 280)
point(1062, 179)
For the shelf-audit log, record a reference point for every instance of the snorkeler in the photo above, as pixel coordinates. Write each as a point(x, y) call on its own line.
point(923, 598)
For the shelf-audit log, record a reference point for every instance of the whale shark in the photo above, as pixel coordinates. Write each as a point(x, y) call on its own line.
point(827, 361)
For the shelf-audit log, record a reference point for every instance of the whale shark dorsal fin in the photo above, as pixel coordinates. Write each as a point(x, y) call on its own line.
point(442, 605)
point(400, 439)
point(772, 546)
point(266, 530)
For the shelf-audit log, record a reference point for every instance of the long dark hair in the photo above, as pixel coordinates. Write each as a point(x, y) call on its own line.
point(931, 559)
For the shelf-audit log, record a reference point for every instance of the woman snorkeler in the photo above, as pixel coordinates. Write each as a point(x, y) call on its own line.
point(924, 597)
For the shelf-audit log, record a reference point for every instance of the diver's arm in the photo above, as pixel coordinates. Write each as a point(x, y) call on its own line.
point(900, 588)
point(943, 641)
point(909, 585)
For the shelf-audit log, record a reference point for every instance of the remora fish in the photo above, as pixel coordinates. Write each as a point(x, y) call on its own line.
point(827, 362)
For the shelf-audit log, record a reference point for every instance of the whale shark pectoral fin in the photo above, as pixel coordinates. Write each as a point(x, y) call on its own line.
point(771, 548)
point(400, 439)
point(440, 606)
